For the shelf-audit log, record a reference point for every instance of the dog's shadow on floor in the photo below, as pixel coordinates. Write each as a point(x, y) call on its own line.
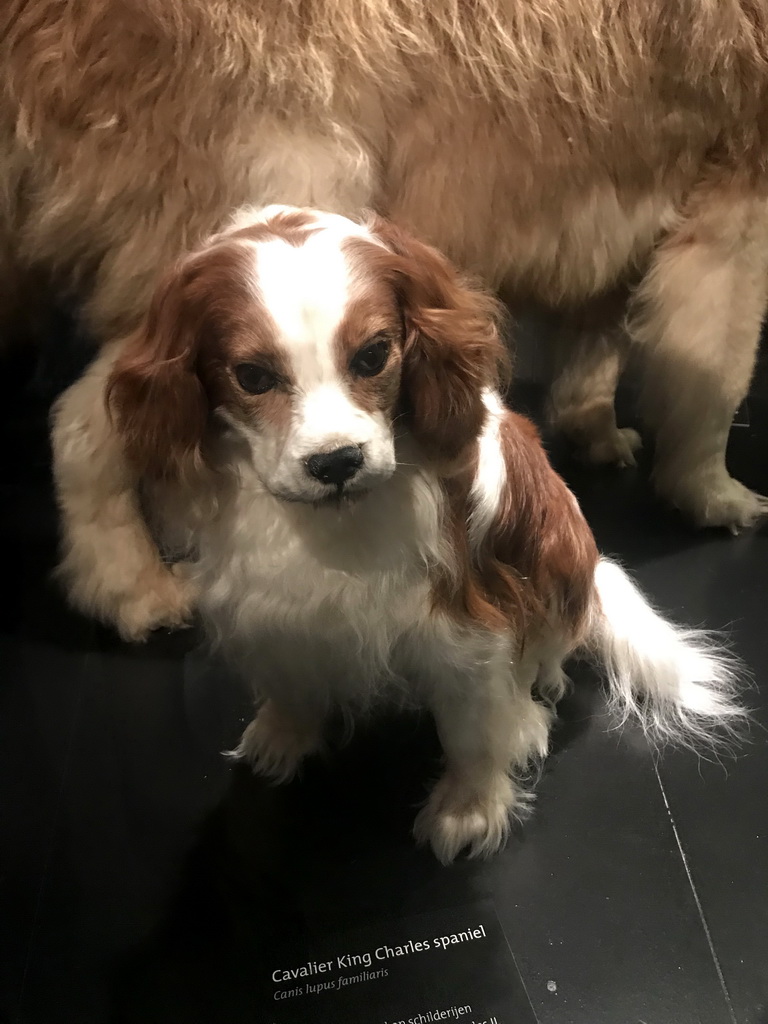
point(274, 866)
point(367, 790)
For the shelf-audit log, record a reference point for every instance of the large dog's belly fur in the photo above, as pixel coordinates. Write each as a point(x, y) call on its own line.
point(552, 178)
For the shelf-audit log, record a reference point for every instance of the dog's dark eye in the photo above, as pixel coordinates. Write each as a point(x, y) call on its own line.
point(254, 378)
point(371, 358)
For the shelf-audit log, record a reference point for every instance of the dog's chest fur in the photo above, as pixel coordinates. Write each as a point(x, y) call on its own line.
point(332, 594)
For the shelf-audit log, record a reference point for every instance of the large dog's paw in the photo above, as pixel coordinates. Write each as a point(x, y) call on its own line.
point(616, 448)
point(591, 429)
point(274, 744)
point(460, 816)
point(165, 598)
point(715, 499)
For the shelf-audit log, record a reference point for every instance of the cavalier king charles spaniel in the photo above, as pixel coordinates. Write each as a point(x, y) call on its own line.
point(315, 409)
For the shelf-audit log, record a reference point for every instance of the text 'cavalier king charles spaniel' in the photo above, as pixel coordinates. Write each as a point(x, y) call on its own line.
point(317, 404)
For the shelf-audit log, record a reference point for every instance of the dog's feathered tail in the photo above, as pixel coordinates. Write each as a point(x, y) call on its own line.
point(681, 684)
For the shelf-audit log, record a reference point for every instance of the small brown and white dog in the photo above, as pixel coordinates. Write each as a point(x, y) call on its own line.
point(315, 404)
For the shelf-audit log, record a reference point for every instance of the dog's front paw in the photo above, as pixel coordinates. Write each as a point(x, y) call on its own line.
point(616, 448)
point(274, 744)
point(164, 599)
point(714, 499)
point(458, 816)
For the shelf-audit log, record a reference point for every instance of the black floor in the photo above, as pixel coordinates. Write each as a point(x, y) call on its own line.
point(143, 880)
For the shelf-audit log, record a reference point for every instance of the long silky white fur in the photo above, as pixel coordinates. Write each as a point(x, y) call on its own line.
point(681, 684)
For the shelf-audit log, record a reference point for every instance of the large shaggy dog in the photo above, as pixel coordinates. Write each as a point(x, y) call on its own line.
point(560, 148)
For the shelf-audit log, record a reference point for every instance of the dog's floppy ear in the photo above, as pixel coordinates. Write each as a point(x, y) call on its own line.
point(452, 346)
point(154, 395)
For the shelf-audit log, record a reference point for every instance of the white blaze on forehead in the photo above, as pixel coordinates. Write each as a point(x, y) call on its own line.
point(306, 289)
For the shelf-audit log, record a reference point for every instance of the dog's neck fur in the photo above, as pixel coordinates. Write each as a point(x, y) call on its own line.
point(336, 588)
point(397, 524)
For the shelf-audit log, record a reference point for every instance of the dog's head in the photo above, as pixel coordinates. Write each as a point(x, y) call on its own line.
point(317, 340)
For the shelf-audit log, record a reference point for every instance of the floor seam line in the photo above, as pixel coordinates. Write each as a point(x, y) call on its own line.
point(699, 907)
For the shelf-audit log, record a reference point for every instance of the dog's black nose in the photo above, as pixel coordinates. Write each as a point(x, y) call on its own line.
point(335, 467)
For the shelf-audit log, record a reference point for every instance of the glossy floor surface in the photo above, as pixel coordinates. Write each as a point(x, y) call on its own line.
point(142, 879)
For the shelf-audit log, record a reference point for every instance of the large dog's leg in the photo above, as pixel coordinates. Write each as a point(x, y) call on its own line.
point(110, 565)
point(590, 350)
point(698, 313)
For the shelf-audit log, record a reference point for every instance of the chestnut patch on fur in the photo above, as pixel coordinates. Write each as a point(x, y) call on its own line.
point(203, 321)
point(372, 320)
point(451, 348)
point(292, 226)
point(537, 561)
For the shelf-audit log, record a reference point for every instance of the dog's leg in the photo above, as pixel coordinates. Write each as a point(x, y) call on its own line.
point(698, 313)
point(279, 738)
point(489, 726)
point(591, 348)
point(111, 565)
